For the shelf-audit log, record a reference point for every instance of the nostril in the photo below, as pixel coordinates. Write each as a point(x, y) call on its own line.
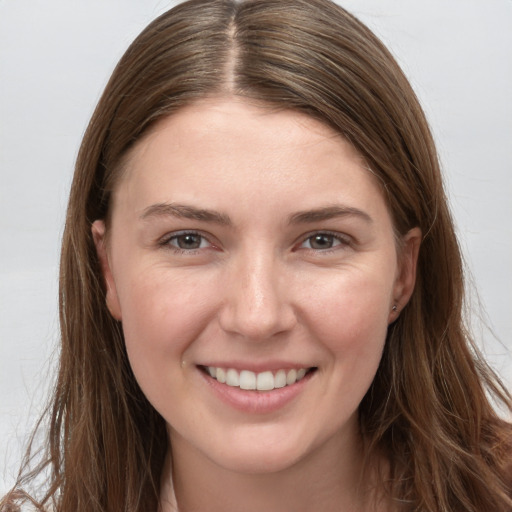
point(253, 327)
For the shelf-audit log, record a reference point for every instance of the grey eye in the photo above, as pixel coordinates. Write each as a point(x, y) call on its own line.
point(188, 241)
point(321, 241)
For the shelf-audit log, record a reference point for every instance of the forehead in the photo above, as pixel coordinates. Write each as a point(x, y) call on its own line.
point(256, 149)
point(268, 126)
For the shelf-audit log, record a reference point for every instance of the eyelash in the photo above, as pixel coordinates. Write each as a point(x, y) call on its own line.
point(343, 241)
point(166, 242)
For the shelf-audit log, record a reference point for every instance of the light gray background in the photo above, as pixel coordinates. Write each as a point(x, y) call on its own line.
point(55, 58)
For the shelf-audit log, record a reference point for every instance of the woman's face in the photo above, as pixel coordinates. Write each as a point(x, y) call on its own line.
point(254, 246)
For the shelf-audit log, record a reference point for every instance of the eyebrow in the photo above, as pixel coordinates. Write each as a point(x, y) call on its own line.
point(328, 212)
point(182, 211)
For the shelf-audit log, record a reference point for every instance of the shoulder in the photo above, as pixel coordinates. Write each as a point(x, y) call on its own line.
point(25, 507)
point(19, 501)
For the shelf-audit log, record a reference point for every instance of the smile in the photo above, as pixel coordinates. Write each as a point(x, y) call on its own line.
point(263, 381)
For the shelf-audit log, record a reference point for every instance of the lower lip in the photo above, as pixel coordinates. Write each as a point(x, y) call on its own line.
point(257, 402)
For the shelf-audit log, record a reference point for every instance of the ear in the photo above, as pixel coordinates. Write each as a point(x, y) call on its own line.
point(98, 234)
point(406, 275)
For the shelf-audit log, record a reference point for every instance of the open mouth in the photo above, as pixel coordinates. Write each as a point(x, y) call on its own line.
point(262, 381)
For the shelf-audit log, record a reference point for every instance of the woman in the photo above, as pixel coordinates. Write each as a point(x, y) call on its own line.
point(261, 289)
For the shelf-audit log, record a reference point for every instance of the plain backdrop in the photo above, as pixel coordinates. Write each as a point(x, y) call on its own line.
point(55, 58)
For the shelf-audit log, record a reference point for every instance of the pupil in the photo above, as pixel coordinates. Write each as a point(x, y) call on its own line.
point(321, 242)
point(189, 242)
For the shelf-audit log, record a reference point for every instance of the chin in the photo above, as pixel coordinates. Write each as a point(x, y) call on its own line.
point(262, 450)
point(257, 461)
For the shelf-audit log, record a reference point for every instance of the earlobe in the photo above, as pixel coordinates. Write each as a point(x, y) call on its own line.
point(406, 276)
point(99, 236)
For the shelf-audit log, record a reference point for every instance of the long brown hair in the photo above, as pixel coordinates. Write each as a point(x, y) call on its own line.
point(428, 410)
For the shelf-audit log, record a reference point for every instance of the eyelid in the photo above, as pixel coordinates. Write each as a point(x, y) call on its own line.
point(164, 240)
point(344, 239)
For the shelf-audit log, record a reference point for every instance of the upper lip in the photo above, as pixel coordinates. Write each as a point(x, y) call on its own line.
point(257, 367)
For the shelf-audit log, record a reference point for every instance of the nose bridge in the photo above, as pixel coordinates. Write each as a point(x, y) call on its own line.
point(256, 305)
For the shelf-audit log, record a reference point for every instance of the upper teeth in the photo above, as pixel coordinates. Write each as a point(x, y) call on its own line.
point(264, 381)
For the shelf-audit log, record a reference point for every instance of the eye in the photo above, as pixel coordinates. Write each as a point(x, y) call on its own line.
point(187, 241)
point(323, 241)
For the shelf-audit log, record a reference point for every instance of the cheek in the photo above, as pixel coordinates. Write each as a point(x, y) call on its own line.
point(162, 315)
point(350, 316)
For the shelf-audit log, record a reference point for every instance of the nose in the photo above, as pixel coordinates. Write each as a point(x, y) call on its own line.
point(256, 303)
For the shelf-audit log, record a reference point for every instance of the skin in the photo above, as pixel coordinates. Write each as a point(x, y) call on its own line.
point(258, 289)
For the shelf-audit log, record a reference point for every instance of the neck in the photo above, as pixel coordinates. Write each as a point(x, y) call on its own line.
point(329, 479)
